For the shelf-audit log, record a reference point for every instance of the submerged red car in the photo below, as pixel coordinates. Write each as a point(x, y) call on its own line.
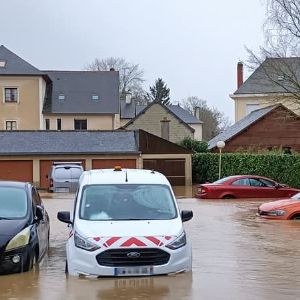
point(286, 209)
point(244, 186)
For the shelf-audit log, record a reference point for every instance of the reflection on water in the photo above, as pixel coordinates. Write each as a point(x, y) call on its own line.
point(235, 256)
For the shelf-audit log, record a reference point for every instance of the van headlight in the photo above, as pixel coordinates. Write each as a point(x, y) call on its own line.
point(178, 243)
point(20, 240)
point(84, 243)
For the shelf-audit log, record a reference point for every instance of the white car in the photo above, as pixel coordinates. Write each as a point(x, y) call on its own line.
point(126, 223)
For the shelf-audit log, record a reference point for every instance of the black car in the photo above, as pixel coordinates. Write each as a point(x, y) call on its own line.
point(24, 227)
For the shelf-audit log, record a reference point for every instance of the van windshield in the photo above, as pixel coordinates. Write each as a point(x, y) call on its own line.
point(127, 202)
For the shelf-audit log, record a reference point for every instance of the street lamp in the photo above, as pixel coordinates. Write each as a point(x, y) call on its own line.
point(220, 145)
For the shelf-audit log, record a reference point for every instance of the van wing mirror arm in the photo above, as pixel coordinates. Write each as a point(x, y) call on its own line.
point(64, 216)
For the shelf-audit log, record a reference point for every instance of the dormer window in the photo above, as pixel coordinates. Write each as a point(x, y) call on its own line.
point(95, 97)
point(61, 97)
point(2, 63)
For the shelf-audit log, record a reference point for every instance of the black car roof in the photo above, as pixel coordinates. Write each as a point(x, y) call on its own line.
point(17, 184)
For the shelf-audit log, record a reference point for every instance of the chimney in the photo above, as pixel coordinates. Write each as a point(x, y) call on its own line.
point(240, 76)
point(197, 112)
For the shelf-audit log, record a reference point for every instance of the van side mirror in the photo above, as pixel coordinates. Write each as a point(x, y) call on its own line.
point(186, 215)
point(64, 216)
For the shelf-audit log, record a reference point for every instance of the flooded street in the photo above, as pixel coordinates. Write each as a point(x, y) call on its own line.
point(235, 256)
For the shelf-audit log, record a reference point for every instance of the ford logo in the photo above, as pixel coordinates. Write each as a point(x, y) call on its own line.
point(133, 254)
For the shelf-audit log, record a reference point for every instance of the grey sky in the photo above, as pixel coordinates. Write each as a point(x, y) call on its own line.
point(193, 45)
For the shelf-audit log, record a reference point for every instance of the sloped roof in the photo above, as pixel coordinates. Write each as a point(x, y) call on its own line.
point(130, 111)
point(241, 125)
point(14, 65)
point(261, 81)
point(67, 142)
point(184, 115)
point(164, 107)
point(78, 87)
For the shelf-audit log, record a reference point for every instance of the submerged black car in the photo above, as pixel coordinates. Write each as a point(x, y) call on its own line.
point(24, 227)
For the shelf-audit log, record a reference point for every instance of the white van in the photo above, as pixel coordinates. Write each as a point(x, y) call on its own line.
point(126, 223)
point(64, 177)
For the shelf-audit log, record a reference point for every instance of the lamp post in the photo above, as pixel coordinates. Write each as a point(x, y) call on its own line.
point(220, 145)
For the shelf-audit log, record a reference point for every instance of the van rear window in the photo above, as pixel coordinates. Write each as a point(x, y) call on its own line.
point(127, 202)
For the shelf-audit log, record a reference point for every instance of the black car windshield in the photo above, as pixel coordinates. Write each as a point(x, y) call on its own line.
point(127, 202)
point(13, 203)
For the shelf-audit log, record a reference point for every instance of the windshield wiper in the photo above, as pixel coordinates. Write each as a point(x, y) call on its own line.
point(3, 218)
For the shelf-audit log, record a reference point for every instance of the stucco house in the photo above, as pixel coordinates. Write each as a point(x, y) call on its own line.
point(32, 99)
point(170, 122)
point(276, 80)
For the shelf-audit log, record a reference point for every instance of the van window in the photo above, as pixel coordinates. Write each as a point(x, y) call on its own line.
point(67, 172)
point(127, 202)
point(62, 173)
point(76, 172)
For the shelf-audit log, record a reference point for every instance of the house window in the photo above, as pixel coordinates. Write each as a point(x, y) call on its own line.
point(2, 63)
point(165, 128)
point(80, 124)
point(47, 124)
point(11, 125)
point(61, 97)
point(58, 124)
point(95, 97)
point(251, 107)
point(11, 95)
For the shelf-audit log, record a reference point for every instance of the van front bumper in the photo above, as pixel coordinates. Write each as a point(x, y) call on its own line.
point(82, 262)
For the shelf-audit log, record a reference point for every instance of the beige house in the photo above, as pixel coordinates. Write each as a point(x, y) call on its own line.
point(276, 80)
point(31, 99)
point(170, 122)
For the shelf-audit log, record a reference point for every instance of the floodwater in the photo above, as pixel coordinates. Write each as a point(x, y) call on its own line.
point(235, 256)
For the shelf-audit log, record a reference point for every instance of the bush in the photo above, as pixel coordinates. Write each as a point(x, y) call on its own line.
point(282, 168)
point(194, 145)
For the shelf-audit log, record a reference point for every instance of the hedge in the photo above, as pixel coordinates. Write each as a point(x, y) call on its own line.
point(283, 168)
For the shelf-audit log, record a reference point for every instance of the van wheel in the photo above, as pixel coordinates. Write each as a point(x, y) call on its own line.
point(228, 197)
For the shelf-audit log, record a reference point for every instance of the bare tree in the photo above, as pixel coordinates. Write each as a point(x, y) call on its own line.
point(214, 121)
point(131, 75)
point(278, 59)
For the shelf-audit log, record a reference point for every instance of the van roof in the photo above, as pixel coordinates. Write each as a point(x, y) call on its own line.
point(134, 176)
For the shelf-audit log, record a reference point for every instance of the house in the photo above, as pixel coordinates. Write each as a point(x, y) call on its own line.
point(170, 122)
point(269, 128)
point(276, 80)
point(27, 155)
point(32, 99)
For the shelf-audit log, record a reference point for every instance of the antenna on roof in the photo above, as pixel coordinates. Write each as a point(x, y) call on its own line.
point(126, 178)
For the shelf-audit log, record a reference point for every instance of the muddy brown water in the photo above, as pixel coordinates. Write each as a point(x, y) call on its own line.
point(235, 256)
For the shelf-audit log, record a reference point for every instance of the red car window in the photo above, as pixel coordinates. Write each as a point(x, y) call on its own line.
point(242, 181)
point(268, 183)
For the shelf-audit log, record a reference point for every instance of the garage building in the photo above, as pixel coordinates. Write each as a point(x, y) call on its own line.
point(28, 155)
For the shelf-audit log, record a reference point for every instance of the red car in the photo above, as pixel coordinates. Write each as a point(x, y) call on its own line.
point(244, 186)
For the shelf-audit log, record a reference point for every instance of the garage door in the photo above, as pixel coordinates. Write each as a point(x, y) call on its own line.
point(111, 163)
point(173, 169)
point(20, 170)
point(45, 166)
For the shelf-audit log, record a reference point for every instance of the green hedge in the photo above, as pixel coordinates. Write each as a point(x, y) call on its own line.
point(282, 168)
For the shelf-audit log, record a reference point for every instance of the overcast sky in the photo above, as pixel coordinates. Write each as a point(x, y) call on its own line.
point(194, 45)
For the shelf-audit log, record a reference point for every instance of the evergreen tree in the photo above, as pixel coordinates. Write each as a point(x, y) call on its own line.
point(159, 92)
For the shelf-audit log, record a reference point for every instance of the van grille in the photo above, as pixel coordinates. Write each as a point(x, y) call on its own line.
point(133, 257)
